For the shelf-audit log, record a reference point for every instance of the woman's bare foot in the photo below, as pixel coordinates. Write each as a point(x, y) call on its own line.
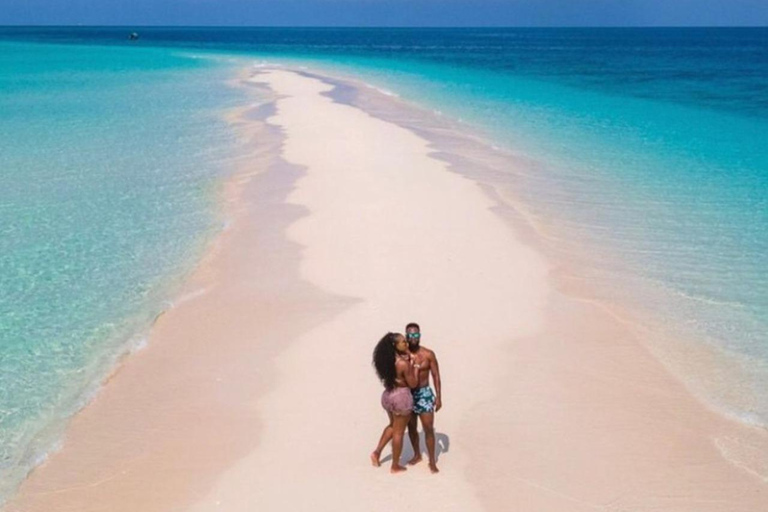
point(415, 460)
point(397, 468)
point(375, 459)
point(433, 468)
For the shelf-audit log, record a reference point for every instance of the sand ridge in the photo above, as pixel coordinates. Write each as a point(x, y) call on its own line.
point(389, 227)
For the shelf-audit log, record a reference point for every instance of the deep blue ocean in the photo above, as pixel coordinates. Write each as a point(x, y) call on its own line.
point(651, 152)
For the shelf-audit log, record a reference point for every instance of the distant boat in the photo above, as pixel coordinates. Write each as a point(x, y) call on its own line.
point(133, 36)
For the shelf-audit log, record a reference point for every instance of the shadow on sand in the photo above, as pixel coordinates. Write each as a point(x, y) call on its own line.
point(442, 444)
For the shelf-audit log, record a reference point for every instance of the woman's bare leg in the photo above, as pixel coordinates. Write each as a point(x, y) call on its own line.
point(398, 432)
point(386, 436)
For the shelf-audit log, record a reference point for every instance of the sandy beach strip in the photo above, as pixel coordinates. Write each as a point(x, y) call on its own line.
point(258, 394)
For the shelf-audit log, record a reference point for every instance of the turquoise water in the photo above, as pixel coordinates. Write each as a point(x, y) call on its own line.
point(108, 167)
point(651, 175)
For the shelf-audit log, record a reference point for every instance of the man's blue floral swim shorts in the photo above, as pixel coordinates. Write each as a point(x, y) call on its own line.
point(423, 400)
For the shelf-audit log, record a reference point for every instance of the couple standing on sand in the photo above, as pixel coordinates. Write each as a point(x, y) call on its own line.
point(404, 366)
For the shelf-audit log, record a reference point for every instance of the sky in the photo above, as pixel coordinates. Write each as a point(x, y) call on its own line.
point(387, 12)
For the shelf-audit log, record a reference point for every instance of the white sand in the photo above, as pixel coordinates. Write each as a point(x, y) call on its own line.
point(411, 242)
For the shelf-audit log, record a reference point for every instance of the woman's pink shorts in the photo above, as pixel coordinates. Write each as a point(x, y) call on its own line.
point(398, 401)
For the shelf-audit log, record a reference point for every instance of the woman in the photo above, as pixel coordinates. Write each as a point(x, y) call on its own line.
point(394, 367)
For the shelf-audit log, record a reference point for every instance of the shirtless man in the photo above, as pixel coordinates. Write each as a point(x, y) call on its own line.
point(425, 402)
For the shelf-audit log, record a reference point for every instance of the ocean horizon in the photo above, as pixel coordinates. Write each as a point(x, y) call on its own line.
point(649, 179)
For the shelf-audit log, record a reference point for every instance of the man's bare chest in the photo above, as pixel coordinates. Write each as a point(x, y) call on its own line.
point(421, 359)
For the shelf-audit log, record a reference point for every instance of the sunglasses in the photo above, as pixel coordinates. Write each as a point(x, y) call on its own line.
point(414, 335)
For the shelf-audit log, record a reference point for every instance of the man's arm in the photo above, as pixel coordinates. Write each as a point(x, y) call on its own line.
point(434, 368)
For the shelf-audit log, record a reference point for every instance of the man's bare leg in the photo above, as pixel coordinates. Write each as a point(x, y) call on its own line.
point(398, 433)
point(386, 436)
point(428, 423)
point(413, 435)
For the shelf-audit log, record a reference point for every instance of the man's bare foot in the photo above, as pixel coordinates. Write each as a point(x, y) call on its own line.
point(375, 459)
point(415, 460)
point(433, 468)
point(397, 468)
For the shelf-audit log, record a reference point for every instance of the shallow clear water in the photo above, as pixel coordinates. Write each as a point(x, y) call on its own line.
point(650, 151)
point(108, 160)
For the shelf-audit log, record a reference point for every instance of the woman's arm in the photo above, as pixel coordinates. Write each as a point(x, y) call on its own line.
point(408, 372)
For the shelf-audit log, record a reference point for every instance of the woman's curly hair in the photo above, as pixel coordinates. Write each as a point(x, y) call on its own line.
point(384, 359)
